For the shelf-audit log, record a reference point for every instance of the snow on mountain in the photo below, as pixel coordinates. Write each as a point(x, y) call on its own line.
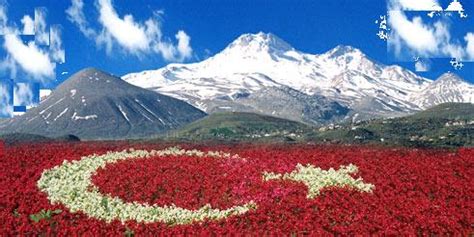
point(93, 104)
point(352, 87)
point(254, 62)
point(447, 88)
point(231, 86)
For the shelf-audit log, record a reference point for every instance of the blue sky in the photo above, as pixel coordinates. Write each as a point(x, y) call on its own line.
point(312, 26)
point(308, 25)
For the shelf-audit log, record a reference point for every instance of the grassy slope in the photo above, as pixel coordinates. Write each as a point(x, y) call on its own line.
point(447, 111)
point(424, 129)
point(14, 138)
point(240, 126)
point(427, 128)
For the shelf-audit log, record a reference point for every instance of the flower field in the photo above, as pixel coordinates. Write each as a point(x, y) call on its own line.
point(147, 189)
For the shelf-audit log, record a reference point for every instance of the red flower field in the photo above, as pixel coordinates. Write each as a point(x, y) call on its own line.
point(416, 192)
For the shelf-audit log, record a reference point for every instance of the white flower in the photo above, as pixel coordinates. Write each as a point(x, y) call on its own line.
point(70, 184)
point(316, 179)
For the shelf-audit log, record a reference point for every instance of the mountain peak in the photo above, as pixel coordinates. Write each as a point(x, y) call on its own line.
point(341, 50)
point(90, 71)
point(259, 42)
point(90, 78)
point(450, 77)
point(93, 104)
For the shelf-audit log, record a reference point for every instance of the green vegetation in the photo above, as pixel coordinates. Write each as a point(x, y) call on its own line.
point(241, 127)
point(128, 232)
point(15, 138)
point(44, 215)
point(446, 125)
point(450, 111)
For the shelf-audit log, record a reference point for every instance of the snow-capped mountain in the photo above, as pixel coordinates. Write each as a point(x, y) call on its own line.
point(93, 104)
point(447, 88)
point(254, 62)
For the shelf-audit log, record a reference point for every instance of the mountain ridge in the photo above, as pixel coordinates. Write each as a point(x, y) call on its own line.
point(93, 104)
point(254, 62)
point(449, 87)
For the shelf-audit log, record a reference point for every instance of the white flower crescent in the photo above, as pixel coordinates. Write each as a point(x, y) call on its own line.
point(70, 184)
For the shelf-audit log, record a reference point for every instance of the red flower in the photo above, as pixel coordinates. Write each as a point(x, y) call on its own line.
point(2, 149)
point(417, 192)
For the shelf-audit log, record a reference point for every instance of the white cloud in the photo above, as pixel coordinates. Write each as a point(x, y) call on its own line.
point(422, 65)
point(6, 109)
point(184, 47)
point(415, 5)
point(207, 53)
point(455, 6)
point(56, 50)
point(415, 37)
point(32, 60)
point(414, 33)
point(35, 62)
point(44, 93)
point(28, 25)
point(173, 53)
point(3, 19)
point(470, 45)
point(4, 28)
point(41, 32)
point(126, 31)
point(8, 64)
point(411, 36)
point(138, 38)
point(76, 15)
point(23, 95)
point(433, 6)
point(449, 50)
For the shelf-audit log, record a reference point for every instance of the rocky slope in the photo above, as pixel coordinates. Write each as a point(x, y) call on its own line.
point(95, 105)
point(343, 77)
